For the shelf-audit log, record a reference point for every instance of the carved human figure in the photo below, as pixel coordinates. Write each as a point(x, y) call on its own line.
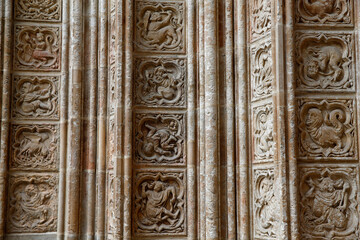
point(163, 82)
point(264, 142)
point(31, 98)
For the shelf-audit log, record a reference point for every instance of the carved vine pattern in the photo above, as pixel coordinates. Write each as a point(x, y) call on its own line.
point(260, 18)
point(263, 133)
point(35, 10)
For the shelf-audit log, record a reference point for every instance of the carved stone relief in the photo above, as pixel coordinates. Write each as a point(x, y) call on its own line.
point(160, 82)
point(114, 203)
point(34, 147)
point(159, 206)
point(32, 204)
point(264, 204)
point(323, 11)
point(37, 48)
point(261, 71)
point(328, 203)
point(38, 10)
point(159, 26)
point(263, 132)
point(159, 138)
point(35, 97)
point(326, 128)
point(325, 61)
point(260, 18)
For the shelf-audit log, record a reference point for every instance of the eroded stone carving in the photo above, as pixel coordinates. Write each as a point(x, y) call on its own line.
point(35, 97)
point(325, 61)
point(260, 17)
point(159, 138)
point(37, 48)
point(44, 10)
point(261, 72)
point(160, 82)
point(263, 133)
point(328, 204)
point(323, 11)
point(159, 26)
point(159, 203)
point(326, 128)
point(264, 204)
point(32, 205)
point(34, 147)
point(114, 204)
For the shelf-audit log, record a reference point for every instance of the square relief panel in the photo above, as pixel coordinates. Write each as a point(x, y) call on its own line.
point(260, 18)
point(37, 48)
point(32, 204)
point(39, 10)
point(35, 97)
point(323, 12)
point(160, 82)
point(159, 26)
point(329, 203)
point(325, 61)
point(34, 147)
point(160, 203)
point(326, 129)
point(159, 138)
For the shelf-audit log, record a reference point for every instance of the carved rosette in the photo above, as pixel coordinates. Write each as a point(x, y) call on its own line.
point(261, 71)
point(159, 204)
point(260, 18)
point(159, 26)
point(37, 48)
point(327, 128)
point(159, 138)
point(34, 147)
point(39, 10)
point(264, 204)
point(325, 61)
point(328, 203)
point(323, 12)
point(160, 82)
point(263, 129)
point(35, 97)
point(32, 204)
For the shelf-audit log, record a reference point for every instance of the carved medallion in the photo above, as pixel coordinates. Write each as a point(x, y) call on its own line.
point(325, 61)
point(263, 133)
point(32, 205)
point(159, 206)
point(35, 147)
point(37, 48)
point(264, 204)
point(326, 128)
point(328, 203)
point(35, 97)
point(323, 11)
point(261, 71)
point(159, 26)
point(159, 138)
point(38, 10)
point(160, 82)
point(260, 17)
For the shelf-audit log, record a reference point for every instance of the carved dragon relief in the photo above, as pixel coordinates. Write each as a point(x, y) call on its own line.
point(38, 10)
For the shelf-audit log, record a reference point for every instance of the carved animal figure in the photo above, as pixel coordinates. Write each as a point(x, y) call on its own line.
point(32, 98)
point(33, 144)
point(265, 135)
point(322, 8)
point(162, 81)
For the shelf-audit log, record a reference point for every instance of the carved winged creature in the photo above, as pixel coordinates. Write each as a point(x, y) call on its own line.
point(34, 144)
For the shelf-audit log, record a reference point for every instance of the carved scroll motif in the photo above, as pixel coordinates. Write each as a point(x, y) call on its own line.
point(323, 11)
point(32, 205)
point(38, 10)
point(113, 207)
point(37, 48)
point(159, 203)
point(160, 82)
point(260, 17)
point(325, 61)
point(159, 26)
point(328, 203)
point(159, 138)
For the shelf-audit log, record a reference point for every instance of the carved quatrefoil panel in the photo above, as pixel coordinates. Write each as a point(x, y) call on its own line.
point(35, 97)
point(325, 61)
point(39, 10)
point(34, 147)
point(329, 203)
point(32, 204)
point(327, 128)
point(159, 138)
point(264, 204)
point(159, 26)
point(160, 203)
point(323, 12)
point(260, 17)
point(37, 48)
point(160, 82)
